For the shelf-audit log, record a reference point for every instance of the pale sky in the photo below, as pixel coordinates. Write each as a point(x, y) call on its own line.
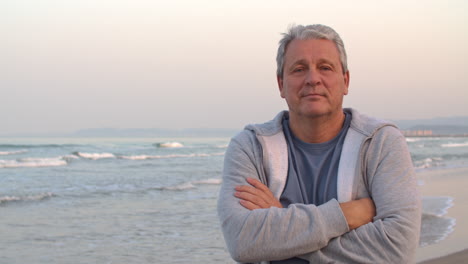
point(74, 64)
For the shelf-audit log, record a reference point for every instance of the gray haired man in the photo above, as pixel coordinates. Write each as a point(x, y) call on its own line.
point(319, 183)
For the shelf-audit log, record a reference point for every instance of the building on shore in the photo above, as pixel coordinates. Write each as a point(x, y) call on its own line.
point(417, 133)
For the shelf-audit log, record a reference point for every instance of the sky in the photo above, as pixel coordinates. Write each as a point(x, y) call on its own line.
point(68, 65)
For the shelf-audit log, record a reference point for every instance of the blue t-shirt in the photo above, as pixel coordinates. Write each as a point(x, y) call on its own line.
point(312, 171)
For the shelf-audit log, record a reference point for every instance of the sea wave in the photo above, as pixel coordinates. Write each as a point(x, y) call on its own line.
point(189, 185)
point(94, 156)
point(33, 162)
point(130, 188)
point(4, 153)
point(441, 161)
point(27, 146)
point(64, 160)
point(169, 145)
point(435, 226)
point(178, 187)
point(428, 163)
point(215, 181)
point(70, 157)
point(436, 205)
point(435, 229)
point(38, 197)
point(146, 157)
point(454, 145)
point(139, 157)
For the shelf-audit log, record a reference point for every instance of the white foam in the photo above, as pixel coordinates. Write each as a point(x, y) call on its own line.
point(209, 181)
point(190, 185)
point(222, 146)
point(435, 229)
point(4, 153)
point(139, 157)
point(455, 145)
point(38, 197)
point(70, 157)
point(209, 155)
point(170, 145)
point(33, 162)
point(428, 163)
point(180, 187)
point(435, 226)
point(412, 139)
point(436, 205)
point(95, 156)
point(145, 157)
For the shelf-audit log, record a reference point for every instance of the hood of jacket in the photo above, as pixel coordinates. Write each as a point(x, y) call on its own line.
point(360, 122)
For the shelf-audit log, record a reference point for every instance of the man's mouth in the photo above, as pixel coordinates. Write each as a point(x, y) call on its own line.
point(313, 95)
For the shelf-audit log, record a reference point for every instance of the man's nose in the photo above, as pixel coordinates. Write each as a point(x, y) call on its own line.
point(312, 77)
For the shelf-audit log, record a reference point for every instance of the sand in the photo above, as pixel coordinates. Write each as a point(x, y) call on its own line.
point(454, 183)
point(455, 258)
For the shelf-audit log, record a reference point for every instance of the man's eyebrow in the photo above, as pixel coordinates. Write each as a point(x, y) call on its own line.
point(304, 62)
point(326, 61)
point(298, 62)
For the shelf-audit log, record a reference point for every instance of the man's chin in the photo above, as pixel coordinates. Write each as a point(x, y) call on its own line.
point(316, 113)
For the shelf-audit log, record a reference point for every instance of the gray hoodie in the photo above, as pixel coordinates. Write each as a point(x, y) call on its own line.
point(375, 162)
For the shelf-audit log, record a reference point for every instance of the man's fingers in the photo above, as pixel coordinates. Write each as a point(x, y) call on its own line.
point(249, 205)
point(245, 188)
point(253, 190)
point(252, 198)
point(257, 184)
point(256, 196)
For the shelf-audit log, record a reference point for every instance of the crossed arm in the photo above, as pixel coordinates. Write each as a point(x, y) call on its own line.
point(258, 196)
point(327, 232)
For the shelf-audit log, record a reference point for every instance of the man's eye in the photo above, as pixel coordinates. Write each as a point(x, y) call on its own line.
point(326, 68)
point(298, 70)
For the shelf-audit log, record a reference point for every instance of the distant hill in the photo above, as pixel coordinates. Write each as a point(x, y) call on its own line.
point(153, 132)
point(439, 126)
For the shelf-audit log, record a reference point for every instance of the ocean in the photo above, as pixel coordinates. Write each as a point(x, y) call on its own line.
point(142, 200)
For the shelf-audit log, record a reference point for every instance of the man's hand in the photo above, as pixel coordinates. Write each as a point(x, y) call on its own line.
point(256, 196)
point(358, 212)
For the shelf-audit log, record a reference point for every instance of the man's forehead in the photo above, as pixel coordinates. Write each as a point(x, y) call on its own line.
point(299, 49)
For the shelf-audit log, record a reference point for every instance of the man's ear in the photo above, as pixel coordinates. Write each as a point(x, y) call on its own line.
point(346, 81)
point(280, 86)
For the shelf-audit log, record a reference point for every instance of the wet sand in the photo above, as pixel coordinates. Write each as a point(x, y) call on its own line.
point(455, 258)
point(454, 183)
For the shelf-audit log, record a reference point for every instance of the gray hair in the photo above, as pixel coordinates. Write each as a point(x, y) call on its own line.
point(315, 31)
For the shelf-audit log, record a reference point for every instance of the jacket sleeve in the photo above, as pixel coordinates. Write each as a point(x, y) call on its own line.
point(274, 233)
point(393, 236)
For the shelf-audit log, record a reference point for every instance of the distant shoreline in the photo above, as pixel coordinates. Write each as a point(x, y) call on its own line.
point(441, 135)
point(214, 135)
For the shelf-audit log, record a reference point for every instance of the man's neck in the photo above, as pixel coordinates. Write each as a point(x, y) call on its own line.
point(317, 129)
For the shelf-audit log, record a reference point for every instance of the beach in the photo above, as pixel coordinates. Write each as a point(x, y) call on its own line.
point(455, 258)
point(453, 183)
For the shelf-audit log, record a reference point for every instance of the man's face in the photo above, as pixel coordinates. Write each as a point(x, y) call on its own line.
point(313, 82)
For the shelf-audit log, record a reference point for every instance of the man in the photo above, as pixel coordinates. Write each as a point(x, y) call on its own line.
point(318, 183)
